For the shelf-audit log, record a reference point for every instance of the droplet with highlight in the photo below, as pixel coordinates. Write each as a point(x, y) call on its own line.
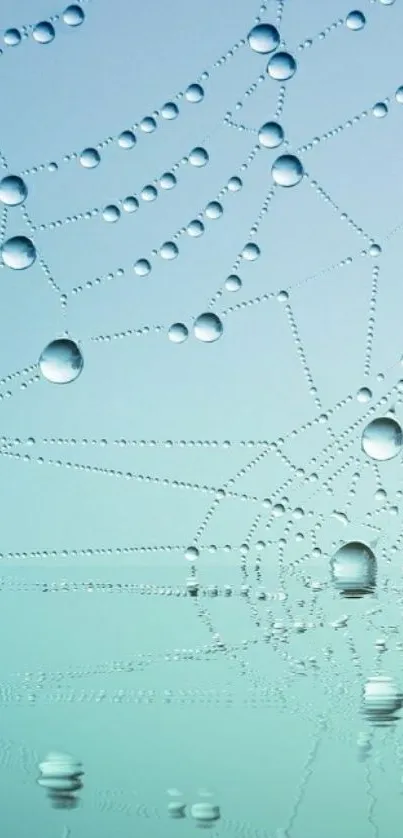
point(178, 333)
point(18, 253)
point(169, 110)
point(382, 439)
point(263, 38)
point(12, 37)
point(271, 135)
point(380, 110)
point(61, 362)
point(142, 267)
point(233, 283)
point(111, 213)
point(73, 15)
point(250, 252)
point(43, 32)
point(282, 66)
point(169, 251)
point(287, 170)
point(127, 139)
point(13, 190)
point(198, 157)
point(208, 327)
point(214, 210)
point(194, 93)
point(355, 20)
point(90, 158)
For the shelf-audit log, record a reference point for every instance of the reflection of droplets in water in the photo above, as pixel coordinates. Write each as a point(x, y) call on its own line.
point(264, 38)
point(73, 15)
point(355, 20)
point(198, 157)
point(61, 362)
point(382, 700)
point(178, 333)
point(13, 190)
point(271, 135)
point(208, 327)
point(18, 253)
point(43, 32)
point(353, 569)
point(90, 158)
point(382, 439)
point(205, 813)
point(287, 170)
point(282, 66)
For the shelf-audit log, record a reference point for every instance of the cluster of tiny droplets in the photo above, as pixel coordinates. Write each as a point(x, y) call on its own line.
point(337, 464)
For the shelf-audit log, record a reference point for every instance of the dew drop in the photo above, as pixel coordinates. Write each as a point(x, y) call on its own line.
point(169, 251)
point(111, 213)
point(271, 135)
point(194, 93)
point(148, 124)
point(73, 15)
point(399, 95)
point(127, 139)
point(264, 38)
point(178, 333)
point(375, 250)
point(208, 327)
point(198, 157)
point(233, 283)
point(43, 32)
point(250, 252)
point(287, 170)
point(380, 110)
point(195, 228)
point(364, 395)
point(355, 20)
point(235, 184)
point(12, 37)
point(61, 361)
point(130, 204)
point(142, 267)
point(13, 190)
point(214, 210)
point(191, 554)
point(149, 193)
point(90, 158)
point(168, 181)
point(169, 110)
point(281, 66)
point(18, 253)
point(382, 439)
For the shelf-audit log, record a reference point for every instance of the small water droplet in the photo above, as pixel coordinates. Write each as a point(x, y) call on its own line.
point(364, 395)
point(271, 135)
point(61, 361)
point(111, 213)
point(281, 66)
point(178, 333)
point(142, 267)
point(198, 157)
point(90, 158)
point(208, 327)
point(73, 15)
point(43, 32)
point(355, 20)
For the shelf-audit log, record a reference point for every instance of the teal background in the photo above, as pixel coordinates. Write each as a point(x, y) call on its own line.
point(269, 732)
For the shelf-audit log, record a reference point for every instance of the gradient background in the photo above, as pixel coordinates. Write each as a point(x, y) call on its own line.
point(244, 722)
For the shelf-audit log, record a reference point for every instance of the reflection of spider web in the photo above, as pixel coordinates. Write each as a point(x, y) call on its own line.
point(325, 492)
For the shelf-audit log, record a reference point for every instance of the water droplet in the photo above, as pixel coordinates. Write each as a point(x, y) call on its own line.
point(142, 267)
point(214, 210)
point(235, 184)
point(195, 228)
point(282, 296)
point(169, 110)
point(169, 251)
point(130, 204)
point(271, 135)
point(198, 157)
point(364, 395)
point(90, 158)
point(127, 139)
point(43, 32)
point(353, 569)
point(263, 38)
point(18, 253)
point(205, 813)
point(287, 170)
point(148, 124)
point(382, 439)
point(233, 283)
point(194, 93)
point(178, 333)
point(281, 66)
point(386, 2)
point(111, 213)
point(355, 20)
point(208, 327)
point(191, 554)
point(375, 250)
point(73, 15)
point(12, 37)
point(380, 110)
point(149, 193)
point(61, 361)
point(13, 190)
point(399, 95)
point(250, 252)
point(168, 181)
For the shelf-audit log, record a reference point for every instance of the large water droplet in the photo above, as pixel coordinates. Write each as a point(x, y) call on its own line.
point(148, 124)
point(127, 139)
point(233, 283)
point(130, 204)
point(18, 253)
point(380, 110)
point(287, 170)
point(169, 251)
point(264, 38)
point(208, 327)
point(12, 37)
point(73, 15)
point(364, 395)
point(281, 66)
point(111, 213)
point(250, 252)
point(168, 181)
point(382, 439)
point(195, 228)
point(178, 333)
point(355, 20)
point(214, 210)
point(13, 190)
point(61, 361)
point(235, 184)
point(169, 110)
point(194, 93)
point(149, 193)
point(198, 157)
point(43, 32)
point(353, 569)
point(142, 267)
point(271, 135)
point(90, 158)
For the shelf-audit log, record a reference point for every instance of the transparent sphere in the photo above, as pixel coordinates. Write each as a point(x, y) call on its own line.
point(208, 327)
point(13, 190)
point(111, 213)
point(90, 158)
point(148, 124)
point(127, 139)
point(149, 193)
point(61, 361)
point(355, 20)
point(43, 32)
point(194, 93)
point(142, 267)
point(73, 15)
point(195, 228)
point(399, 95)
point(364, 395)
point(271, 135)
point(214, 210)
point(353, 569)
point(233, 283)
point(382, 439)
point(264, 38)
point(198, 157)
point(235, 184)
point(380, 110)
point(130, 204)
point(178, 333)
point(169, 251)
point(169, 110)
point(168, 181)
point(287, 170)
point(12, 37)
point(18, 253)
point(281, 66)
point(191, 554)
point(250, 252)
point(375, 250)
